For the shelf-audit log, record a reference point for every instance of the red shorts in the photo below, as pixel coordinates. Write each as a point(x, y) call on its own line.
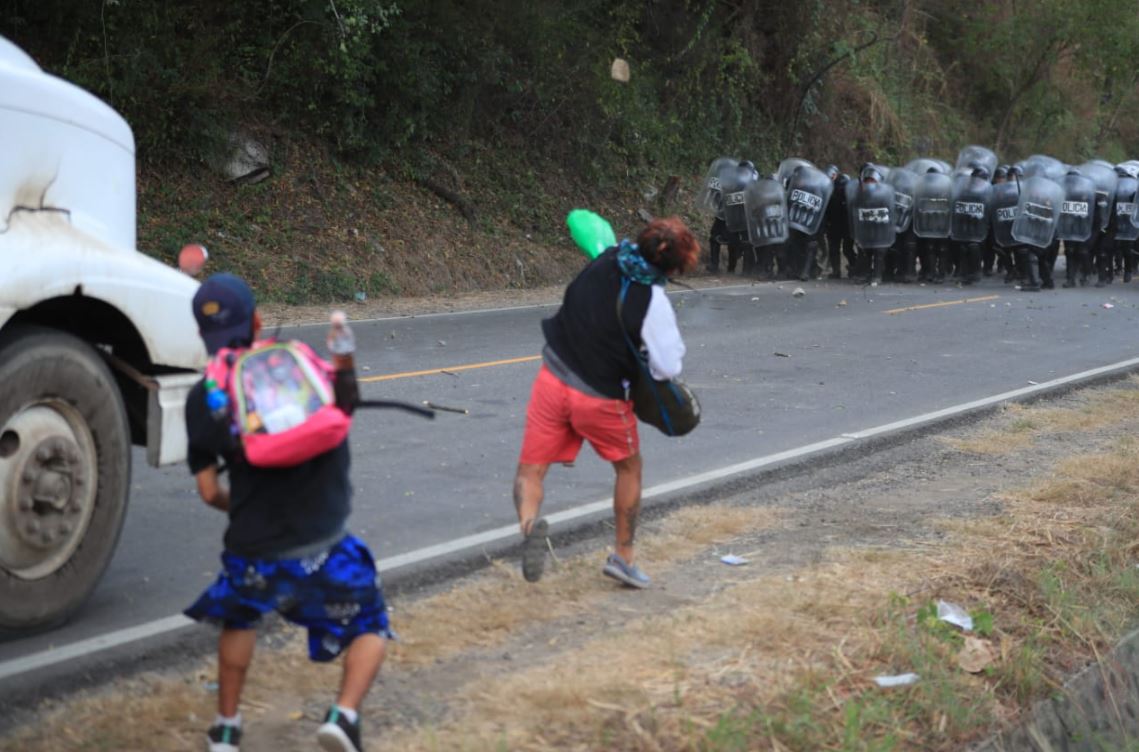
point(559, 417)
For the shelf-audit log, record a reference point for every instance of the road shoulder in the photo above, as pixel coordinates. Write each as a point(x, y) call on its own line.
point(1025, 519)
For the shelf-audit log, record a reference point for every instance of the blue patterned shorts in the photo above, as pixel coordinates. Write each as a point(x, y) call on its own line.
point(336, 595)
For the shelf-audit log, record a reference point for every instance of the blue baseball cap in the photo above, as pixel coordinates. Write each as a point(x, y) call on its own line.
point(223, 307)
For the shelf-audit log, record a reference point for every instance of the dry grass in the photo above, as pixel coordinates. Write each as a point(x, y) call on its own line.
point(666, 678)
point(434, 634)
point(992, 442)
point(165, 714)
point(487, 611)
point(804, 651)
point(778, 664)
point(1020, 425)
point(759, 661)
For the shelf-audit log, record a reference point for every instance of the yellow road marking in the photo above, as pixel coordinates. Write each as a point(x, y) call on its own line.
point(892, 311)
point(532, 358)
point(451, 369)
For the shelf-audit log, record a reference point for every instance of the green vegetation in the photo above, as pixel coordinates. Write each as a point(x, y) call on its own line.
point(509, 107)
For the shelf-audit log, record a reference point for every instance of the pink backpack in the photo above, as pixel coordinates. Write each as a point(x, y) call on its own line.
point(281, 402)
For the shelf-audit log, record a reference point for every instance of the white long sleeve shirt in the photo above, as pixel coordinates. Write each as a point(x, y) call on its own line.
point(661, 336)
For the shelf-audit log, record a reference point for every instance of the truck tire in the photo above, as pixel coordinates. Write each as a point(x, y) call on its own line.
point(65, 458)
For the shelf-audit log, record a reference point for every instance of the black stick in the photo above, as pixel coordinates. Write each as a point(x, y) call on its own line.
point(394, 405)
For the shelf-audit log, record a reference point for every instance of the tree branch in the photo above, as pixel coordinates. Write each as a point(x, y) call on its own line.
point(1033, 78)
point(450, 197)
point(818, 75)
point(273, 53)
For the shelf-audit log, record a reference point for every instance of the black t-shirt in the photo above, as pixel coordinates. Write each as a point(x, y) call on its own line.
point(271, 511)
point(585, 333)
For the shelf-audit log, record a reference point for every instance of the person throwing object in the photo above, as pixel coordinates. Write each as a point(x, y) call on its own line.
point(581, 391)
point(286, 547)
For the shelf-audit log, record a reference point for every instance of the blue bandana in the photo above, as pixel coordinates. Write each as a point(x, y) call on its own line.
point(634, 266)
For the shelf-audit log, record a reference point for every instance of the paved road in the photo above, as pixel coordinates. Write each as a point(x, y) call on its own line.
point(773, 372)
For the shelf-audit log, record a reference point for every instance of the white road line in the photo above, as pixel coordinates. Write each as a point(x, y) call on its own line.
point(93, 645)
point(109, 640)
point(474, 311)
point(986, 401)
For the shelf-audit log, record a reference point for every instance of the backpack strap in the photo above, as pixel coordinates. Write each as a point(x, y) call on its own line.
point(641, 363)
point(220, 369)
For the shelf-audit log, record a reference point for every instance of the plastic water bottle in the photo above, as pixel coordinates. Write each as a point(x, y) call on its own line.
point(216, 400)
point(342, 347)
point(341, 342)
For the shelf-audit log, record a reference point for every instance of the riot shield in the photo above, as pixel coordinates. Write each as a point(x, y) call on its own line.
point(766, 206)
point(788, 166)
point(969, 222)
point(1124, 225)
point(871, 214)
point(1038, 212)
point(1104, 177)
point(932, 196)
point(904, 183)
point(1006, 196)
point(1131, 167)
point(1044, 166)
point(734, 180)
point(1077, 213)
point(808, 191)
point(710, 198)
point(922, 165)
point(980, 155)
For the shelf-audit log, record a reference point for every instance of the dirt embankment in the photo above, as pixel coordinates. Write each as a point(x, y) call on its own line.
point(1026, 520)
point(318, 231)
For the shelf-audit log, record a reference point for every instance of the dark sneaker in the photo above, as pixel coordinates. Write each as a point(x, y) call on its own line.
point(534, 551)
point(630, 574)
point(338, 734)
point(223, 738)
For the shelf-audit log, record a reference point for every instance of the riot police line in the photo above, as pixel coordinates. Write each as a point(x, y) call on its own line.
point(926, 221)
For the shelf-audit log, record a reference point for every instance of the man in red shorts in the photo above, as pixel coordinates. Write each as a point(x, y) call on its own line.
point(581, 391)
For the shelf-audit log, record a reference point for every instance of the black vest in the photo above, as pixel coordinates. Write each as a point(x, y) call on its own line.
point(585, 332)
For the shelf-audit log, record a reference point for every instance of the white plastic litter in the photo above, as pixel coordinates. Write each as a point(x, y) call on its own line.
point(1109, 305)
point(799, 292)
point(734, 561)
point(900, 680)
point(955, 615)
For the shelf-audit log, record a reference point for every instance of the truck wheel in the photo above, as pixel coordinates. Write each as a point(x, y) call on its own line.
point(64, 475)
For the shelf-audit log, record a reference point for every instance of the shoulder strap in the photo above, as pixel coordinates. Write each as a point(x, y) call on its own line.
point(642, 365)
point(625, 282)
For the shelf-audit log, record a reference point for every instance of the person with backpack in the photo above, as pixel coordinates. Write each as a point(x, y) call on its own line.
point(615, 305)
point(271, 412)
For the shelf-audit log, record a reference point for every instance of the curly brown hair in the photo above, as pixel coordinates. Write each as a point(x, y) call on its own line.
point(669, 245)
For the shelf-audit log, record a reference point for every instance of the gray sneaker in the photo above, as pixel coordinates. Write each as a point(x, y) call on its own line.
point(630, 574)
point(534, 551)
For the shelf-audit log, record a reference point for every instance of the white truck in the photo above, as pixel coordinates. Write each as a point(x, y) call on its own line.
point(98, 346)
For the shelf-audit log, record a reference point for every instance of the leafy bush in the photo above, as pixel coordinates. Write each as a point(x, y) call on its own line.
point(389, 79)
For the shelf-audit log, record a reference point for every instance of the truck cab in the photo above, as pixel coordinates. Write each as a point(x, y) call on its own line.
point(98, 345)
